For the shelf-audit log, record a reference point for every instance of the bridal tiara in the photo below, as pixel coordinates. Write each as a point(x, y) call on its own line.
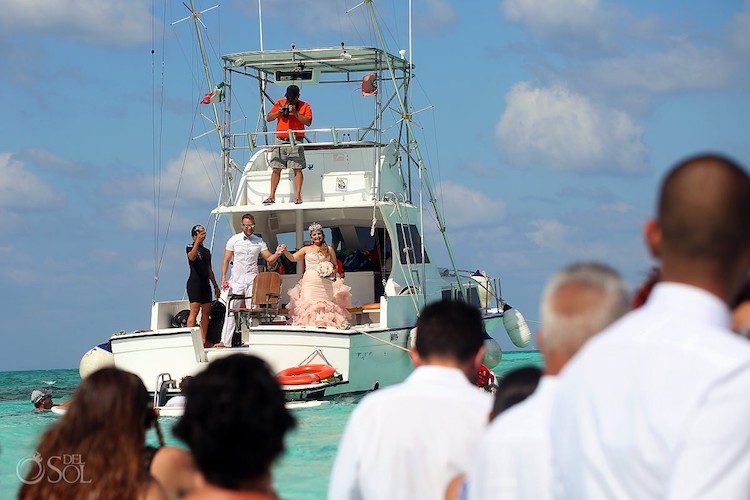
point(315, 227)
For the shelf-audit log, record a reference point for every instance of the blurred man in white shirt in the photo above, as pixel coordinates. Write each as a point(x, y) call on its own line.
point(657, 406)
point(514, 459)
point(409, 440)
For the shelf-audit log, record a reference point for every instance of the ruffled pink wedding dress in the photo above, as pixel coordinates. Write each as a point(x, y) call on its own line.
point(317, 301)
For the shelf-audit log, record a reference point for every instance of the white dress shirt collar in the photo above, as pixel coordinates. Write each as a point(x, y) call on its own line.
point(702, 306)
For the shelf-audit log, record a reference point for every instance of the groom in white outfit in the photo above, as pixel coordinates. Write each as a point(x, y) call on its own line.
point(242, 251)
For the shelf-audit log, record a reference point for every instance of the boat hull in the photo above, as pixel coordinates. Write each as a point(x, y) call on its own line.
point(364, 359)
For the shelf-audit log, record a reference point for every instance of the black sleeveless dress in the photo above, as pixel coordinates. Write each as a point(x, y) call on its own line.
point(198, 283)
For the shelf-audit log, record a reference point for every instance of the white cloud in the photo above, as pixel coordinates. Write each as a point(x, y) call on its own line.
point(24, 276)
point(433, 17)
point(481, 169)
point(739, 30)
point(194, 176)
point(663, 55)
point(105, 255)
point(572, 26)
point(47, 160)
point(98, 22)
point(561, 130)
point(138, 214)
point(549, 234)
point(21, 189)
point(683, 67)
point(188, 187)
point(546, 15)
point(144, 264)
point(463, 207)
point(316, 17)
point(313, 18)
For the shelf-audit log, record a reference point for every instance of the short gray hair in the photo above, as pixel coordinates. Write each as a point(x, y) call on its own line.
point(596, 296)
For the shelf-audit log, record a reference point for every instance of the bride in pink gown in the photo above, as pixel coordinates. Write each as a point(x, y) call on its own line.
point(318, 300)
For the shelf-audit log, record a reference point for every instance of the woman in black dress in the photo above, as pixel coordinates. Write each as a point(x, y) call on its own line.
point(199, 281)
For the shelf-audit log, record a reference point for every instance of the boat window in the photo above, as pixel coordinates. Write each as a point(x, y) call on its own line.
point(337, 239)
point(365, 240)
point(408, 238)
point(380, 241)
point(454, 293)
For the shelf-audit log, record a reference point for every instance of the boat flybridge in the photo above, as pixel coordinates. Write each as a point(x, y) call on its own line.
point(364, 183)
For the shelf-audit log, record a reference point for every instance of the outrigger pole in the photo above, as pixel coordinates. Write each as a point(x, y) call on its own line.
point(406, 116)
point(225, 193)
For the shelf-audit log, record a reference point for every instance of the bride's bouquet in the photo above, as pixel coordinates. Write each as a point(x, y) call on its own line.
point(325, 269)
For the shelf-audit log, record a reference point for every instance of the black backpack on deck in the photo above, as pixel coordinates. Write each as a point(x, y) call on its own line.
point(216, 322)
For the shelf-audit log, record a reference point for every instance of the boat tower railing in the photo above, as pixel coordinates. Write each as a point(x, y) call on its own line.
point(333, 137)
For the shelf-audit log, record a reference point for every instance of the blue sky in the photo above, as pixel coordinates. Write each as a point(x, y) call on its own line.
point(552, 122)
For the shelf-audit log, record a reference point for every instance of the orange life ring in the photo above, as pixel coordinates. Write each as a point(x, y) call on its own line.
point(305, 374)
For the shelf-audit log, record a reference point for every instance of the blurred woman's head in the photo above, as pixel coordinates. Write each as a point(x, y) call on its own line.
point(104, 426)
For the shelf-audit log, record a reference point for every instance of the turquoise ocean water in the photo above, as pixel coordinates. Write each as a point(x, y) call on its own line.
point(301, 474)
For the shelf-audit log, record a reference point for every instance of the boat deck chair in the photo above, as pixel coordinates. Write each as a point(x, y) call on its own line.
point(264, 303)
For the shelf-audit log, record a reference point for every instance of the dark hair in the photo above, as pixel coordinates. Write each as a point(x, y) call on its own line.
point(235, 420)
point(185, 383)
point(292, 91)
point(514, 387)
point(248, 216)
point(196, 229)
point(449, 328)
point(105, 424)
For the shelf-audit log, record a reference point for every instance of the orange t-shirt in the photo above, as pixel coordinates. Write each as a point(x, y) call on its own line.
point(284, 123)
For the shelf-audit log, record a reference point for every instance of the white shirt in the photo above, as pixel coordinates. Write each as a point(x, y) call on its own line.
point(514, 459)
point(409, 440)
point(657, 405)
point(245, 259)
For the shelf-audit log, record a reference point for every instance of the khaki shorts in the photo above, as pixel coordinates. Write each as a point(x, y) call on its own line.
point(288, 156)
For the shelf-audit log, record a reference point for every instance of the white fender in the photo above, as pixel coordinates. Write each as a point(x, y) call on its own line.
point(516, 327)
point(95, 359)
point(492, 354)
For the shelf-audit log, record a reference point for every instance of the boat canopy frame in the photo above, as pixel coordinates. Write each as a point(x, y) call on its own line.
point(326, 61)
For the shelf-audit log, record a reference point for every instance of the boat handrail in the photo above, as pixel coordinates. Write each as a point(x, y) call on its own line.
point(333, 136)
point(163, 382)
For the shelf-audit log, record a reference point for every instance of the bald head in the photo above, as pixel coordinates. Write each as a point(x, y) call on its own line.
point(579, 301)
point(702, 234)
point(704, 209)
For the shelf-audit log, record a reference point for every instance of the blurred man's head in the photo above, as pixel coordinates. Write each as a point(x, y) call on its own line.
point(702, 230)
point(450, 333)
point(579, 301)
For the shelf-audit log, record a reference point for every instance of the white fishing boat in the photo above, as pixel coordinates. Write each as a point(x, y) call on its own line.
point(364, 184)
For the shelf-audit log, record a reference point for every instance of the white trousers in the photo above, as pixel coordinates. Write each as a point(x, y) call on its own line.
point(244, 288)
